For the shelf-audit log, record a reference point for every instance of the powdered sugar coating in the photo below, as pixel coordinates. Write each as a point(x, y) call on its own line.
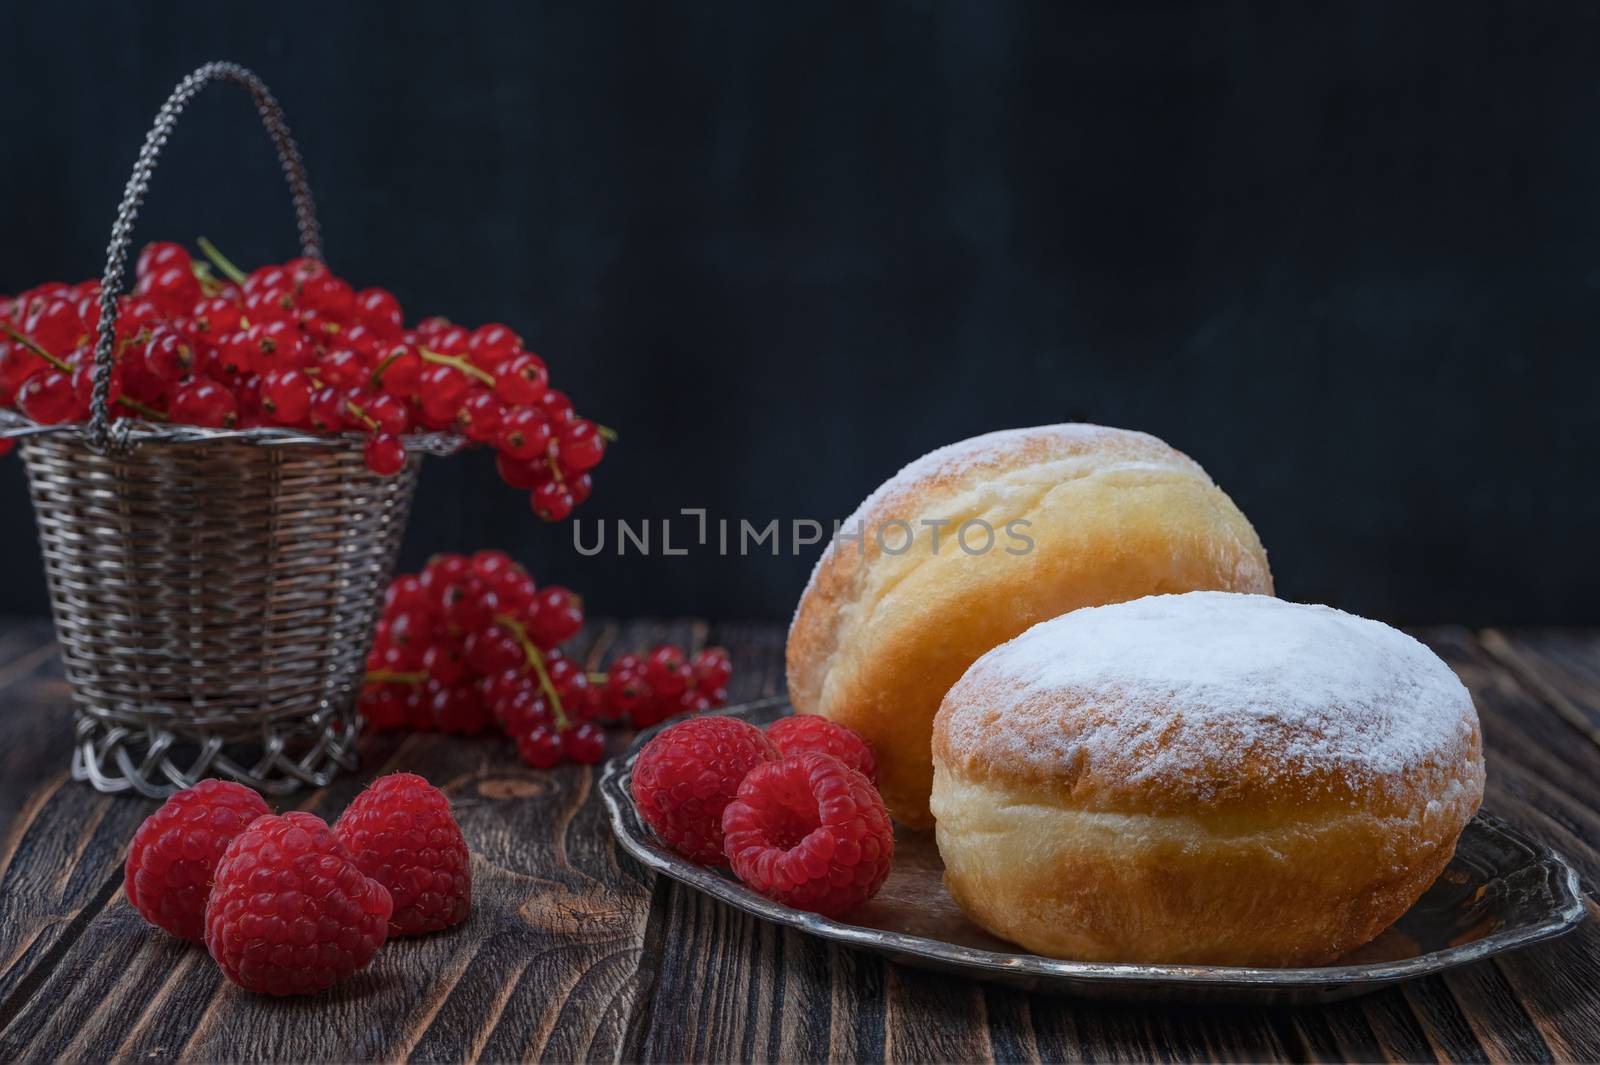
point(1209, 693)
point(1003, 448)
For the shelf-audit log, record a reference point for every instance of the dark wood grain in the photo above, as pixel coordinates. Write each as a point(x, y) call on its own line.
point(573, 952)
point(547, 966)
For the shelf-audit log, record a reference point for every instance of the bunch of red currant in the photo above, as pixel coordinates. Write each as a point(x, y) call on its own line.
point(296, 346)
point(471, 642)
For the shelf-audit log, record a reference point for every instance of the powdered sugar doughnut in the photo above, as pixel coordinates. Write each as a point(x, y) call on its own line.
point(1205, 778)
point(969, 545)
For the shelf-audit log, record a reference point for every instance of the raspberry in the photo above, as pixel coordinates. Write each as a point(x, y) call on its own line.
point(175, 853)
point(810, 832)
point(402, 835)
point(290, 912)
point(805, 732)
point(686, 775)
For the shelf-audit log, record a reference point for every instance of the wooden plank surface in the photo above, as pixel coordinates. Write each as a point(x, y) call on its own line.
point(573, 952)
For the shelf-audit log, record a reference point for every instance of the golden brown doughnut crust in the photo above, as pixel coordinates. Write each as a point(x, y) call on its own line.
point(1278, 810)
point(879, 638)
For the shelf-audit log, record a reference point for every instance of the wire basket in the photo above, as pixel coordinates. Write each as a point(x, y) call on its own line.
point(214, 591)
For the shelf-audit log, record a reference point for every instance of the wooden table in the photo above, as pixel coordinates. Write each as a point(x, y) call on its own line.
point(574, 952)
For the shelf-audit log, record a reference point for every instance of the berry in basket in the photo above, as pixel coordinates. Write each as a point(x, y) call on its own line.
point(295, 346)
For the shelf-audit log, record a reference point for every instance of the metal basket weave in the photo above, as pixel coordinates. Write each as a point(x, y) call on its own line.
point(214, 591)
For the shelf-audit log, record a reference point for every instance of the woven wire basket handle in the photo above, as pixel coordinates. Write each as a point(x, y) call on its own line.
point(103, 434)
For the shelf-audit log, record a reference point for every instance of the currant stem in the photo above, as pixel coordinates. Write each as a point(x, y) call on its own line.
point(608, 434)
point(220, 261)
point(598, 678)
point(146, 412)
point(536, 660)
point(355, 408)
point(390, 676)
point(459, 363)
point(209, 285)
point(377, 373)
point(28, 343)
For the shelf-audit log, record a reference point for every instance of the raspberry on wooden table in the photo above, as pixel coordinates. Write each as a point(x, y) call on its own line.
point(402, 834)
point(810, 832)
point(808, 732)
point(174, 854)
point(686, 775)
point(291, 913)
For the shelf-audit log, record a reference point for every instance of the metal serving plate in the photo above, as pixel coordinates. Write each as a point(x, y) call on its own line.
point(1501, 891)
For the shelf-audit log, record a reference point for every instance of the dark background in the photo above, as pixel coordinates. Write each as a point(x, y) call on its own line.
point(1347, 256)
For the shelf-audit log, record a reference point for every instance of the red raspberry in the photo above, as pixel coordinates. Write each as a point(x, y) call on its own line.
point(687, 774)
point(175, 853)
point(807, 732)
point(290, 912)
point(402, 834)
point(810, 832)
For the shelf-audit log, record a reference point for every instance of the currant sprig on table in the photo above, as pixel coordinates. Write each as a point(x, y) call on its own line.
point(292, 345)
point(471, 642)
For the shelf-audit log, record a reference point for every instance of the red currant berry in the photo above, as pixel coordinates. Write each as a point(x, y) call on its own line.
point(520, 473)
point(540, 746)
point(626, 692)
point(47, 397)
point(693, 702)
point(442, 389)
point(363, 342)
point(343, 367)
point(330, 296)
point(216, 317)
point(383, 705)
point(286, 396)
point(400, 371)
point(432, 326)
point(667, 671)
point(173, 289)
point(479, 415)
point(469, 606)
point(405, 592)
point(521, 379)
point(442, 571)
point(379, 311)
point(551, 501)
point(514, 588)
point(712, 668)
point(303, 270)
point(266, 277)
point(459, 708)
point(581, 445)
point(488, 562)
point(279, 344)
point(453, 341)
point(55, 326)
point(206, 403)
point(392, 415)
point(524, 433)
point(159, 255)
point(584, 743)
point(384, 453)
point(554, 616)
point(275, 304)
point(557, 406)
point(328, 414)
point(492, 649)
point(490, 345)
